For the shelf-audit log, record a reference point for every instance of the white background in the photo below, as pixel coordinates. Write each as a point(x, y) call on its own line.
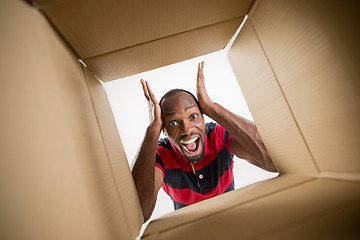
point(131, 112)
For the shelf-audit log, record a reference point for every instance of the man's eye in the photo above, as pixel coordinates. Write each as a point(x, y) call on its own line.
point(172, 123)
point(194, 116)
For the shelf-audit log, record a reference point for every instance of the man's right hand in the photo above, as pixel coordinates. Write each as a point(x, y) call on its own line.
point(148, 179)
point(154, 107)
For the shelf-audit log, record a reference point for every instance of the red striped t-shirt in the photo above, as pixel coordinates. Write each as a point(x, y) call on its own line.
point(213, 173)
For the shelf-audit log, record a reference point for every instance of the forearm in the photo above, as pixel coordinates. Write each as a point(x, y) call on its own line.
point(244, 132)
point(144, 170)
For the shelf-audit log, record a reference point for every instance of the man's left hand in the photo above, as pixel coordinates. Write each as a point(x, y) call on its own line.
point(204, 99)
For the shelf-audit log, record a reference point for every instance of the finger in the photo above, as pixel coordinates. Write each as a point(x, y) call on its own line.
point(152, 97)
point(200, 70)
point(144, 89)
point(200, 79)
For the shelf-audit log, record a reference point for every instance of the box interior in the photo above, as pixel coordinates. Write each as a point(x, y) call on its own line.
point(64, 172)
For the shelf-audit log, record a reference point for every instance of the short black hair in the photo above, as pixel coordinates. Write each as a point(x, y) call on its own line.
point(175, 91)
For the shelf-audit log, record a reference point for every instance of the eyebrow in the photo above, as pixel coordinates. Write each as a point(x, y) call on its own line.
point(170, 113)
point(187, 108)
point(190, 107)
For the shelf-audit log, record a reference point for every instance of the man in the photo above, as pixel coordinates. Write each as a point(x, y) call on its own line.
point(195, 161)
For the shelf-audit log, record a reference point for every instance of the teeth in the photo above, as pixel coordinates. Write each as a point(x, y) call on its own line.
point(189, 141)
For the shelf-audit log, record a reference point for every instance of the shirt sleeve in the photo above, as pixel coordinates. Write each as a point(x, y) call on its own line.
point(223, 137)
point(159, 164)
point(228, 139)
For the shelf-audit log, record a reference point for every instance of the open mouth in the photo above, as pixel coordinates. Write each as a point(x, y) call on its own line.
point(190, 146)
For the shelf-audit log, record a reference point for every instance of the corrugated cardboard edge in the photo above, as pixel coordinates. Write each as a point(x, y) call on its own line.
point(223, 203)
point(264, 94)
point(163, 51)
point(121, 173)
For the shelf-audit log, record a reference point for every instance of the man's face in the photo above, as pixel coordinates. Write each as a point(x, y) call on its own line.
point(184, 125)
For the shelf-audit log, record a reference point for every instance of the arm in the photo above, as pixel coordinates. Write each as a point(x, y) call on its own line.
point(247, 143)
point(147, 178)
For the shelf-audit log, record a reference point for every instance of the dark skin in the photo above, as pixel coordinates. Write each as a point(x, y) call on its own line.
point(182, 121)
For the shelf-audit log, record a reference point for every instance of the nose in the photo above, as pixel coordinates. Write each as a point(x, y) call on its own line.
point(186, 127)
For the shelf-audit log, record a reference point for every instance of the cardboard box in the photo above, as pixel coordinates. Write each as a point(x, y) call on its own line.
point(64, 174)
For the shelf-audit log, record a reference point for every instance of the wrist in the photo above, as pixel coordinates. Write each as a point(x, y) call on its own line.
point(155, 127)
point(209, 109)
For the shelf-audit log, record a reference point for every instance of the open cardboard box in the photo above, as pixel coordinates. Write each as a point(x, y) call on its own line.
point(64, 174)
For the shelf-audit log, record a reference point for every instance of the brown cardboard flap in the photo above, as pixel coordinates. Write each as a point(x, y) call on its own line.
point(222, 203)
point(134, 36)
point(163, 51)
point(56, 179)
point(269, 106)
point(128, 201)
point(313, 48)
point(290, 206)
point(95, 27)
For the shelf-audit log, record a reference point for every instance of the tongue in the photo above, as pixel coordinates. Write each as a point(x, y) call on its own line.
point(191, 146)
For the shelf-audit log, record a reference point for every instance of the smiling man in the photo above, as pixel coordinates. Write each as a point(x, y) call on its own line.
point(195, 161)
